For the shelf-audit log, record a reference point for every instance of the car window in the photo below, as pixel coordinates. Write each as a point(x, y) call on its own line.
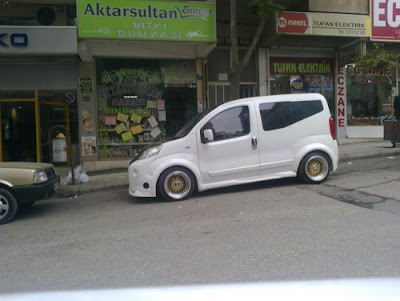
point(231, 123)
point(277, 115)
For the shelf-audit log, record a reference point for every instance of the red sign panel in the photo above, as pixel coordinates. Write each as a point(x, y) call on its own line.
point(292, 23)
point(385, 16)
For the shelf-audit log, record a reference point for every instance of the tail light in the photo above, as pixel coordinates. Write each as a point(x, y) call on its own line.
point(332, 128)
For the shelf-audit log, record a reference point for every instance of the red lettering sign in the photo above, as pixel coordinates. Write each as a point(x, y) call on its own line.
point(341, 102)
point(385, 16)
point(292, 22)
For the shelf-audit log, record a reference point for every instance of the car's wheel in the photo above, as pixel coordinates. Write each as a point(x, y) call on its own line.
point(314, 168)
point(8, 206)
point(176, 184)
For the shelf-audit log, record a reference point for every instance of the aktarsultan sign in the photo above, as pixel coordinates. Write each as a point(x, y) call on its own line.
point(147, 20)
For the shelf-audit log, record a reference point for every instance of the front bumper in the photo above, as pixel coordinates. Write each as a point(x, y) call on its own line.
point(139, 179)
point(36, 192)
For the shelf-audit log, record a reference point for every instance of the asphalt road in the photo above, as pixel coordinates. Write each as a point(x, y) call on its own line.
point(347, 227)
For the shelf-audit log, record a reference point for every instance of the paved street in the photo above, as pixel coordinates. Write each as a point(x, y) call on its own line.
point(348, 227)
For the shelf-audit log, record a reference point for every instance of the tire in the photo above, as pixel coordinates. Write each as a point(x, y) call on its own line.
point(176, 184)
point(8, 206)
point(314, 168)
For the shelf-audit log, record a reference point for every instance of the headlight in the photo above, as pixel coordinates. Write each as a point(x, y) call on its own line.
point(149, 152)
point(39, 177)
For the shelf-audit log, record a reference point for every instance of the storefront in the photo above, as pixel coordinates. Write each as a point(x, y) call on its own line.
point(38, 83)
point(329, 42)
point(142, 79)
point(303, 75)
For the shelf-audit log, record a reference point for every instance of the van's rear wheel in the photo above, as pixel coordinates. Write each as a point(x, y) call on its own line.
point(176, 184)
point(8, 206)
point(314, 168)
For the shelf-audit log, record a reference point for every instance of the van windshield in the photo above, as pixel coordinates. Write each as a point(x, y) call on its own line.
point(191, 123)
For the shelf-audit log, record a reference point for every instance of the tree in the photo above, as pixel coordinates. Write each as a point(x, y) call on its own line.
point(265, 9)
point(380, 60)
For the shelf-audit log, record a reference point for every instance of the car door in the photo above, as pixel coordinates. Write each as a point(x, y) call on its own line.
point(276, 137)
point(233, 155)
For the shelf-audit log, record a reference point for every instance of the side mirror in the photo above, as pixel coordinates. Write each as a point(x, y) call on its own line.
point(208, 135)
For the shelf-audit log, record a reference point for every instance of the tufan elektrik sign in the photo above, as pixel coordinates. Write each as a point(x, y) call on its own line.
point(147, 20)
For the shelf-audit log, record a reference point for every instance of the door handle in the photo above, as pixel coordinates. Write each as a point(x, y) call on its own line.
point(254, 142)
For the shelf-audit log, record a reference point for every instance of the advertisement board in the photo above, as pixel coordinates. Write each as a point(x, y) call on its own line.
point(147, 20)
point(385, 16)
point(323, 24)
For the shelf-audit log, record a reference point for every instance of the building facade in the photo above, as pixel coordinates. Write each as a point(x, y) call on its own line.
point(140, 75)
point(120, 75)
point(38, 79)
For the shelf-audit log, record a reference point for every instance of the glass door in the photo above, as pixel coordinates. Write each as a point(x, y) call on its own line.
point(19, 137)
point(51, 113)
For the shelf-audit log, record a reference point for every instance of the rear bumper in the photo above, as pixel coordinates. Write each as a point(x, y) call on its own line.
point(32, 193)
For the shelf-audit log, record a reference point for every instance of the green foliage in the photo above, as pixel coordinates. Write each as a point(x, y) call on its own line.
point(378, 59)
point(376, 62)
point(266, 8)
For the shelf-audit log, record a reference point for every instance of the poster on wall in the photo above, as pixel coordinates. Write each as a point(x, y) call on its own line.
point(128, 103)
point(89, 146)
point(296, 84)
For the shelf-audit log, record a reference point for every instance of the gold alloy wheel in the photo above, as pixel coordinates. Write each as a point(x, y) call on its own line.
point(317, 168)
point(177, 185)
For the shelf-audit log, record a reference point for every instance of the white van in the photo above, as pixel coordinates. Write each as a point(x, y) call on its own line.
point(242, 141)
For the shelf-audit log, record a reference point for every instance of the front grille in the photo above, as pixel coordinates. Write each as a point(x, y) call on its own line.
point(51, 173)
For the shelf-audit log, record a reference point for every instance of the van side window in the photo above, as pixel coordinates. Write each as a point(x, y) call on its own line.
point(277, 115)
point(232, 123)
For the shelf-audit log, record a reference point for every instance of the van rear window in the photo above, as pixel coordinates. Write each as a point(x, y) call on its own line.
point(277, 115)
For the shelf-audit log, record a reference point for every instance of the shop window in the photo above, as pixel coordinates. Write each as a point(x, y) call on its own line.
point(218, 94)
point(303, 75)
point(368, 100)
point(218, 64)
point(141, 102)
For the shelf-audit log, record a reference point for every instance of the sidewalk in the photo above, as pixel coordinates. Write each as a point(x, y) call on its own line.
point(349, 149)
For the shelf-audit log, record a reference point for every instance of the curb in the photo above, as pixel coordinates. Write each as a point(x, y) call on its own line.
point(347, 157)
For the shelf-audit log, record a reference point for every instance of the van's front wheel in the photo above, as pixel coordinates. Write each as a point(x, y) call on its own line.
point(314, 168)
point(176, 184)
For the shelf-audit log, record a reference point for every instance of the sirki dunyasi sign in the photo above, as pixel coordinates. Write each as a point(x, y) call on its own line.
point(147, 20)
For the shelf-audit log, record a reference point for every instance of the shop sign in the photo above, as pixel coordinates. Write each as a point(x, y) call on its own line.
point(147, 20)
point(323, 24)
point(16, 40)
point(341, 102)
point(385, 15)
point(292, 66)
point(86, 85)
point(293, 23)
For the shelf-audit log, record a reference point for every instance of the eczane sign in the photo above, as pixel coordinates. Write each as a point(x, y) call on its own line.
point(385, 17)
